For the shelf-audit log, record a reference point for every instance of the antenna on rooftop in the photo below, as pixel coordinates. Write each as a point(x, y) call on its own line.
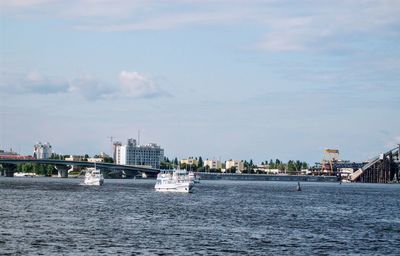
point(138, 138)
point(112, 144)
point(111, 138)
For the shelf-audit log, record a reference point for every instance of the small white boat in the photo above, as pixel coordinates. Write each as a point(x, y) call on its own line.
point(94, 177)
point(24, 174)
point(175, 181)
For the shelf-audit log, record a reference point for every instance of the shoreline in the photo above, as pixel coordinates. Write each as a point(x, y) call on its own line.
point(266, 177)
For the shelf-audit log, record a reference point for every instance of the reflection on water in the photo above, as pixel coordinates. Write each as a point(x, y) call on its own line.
point(127, 217)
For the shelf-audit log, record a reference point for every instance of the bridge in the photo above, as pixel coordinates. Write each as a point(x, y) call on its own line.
point(384, 168)
point(62, 166)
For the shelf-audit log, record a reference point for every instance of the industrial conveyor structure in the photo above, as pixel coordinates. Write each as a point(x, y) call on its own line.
point(381, 169)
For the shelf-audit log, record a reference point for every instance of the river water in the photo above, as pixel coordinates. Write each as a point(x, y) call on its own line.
point(51, 216)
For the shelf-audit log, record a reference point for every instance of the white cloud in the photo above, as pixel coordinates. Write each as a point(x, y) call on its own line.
point(284, 25)
point(130, 84)
point(90, 88)
point(32, 83)
point(104, 8)
point(22, 3)
point(326, 25)
point(134, 84)
point(170, 21)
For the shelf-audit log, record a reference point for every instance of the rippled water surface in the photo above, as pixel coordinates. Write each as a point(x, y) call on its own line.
point(51, 216)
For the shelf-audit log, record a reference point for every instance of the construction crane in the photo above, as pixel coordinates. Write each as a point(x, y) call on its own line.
point(330, 156)
point(111, 138)
point(112, 145)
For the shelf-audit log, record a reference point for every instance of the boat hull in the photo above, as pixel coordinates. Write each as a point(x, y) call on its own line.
point(98, 182)
point(183, 187)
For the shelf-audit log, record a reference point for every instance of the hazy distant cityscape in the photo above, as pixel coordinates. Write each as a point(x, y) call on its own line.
point(152, 155)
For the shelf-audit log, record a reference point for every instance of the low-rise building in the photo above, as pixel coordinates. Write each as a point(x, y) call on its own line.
point(74, 158)
point(234, 164)
point(273, 171)
point(190, 161)
point(212, 164)
point(8, 153)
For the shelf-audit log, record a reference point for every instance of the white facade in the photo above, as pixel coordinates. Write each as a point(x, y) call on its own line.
point(239, 165)
point(42, 151)
point(213, 164)
point(116, 146)
point(133, 154)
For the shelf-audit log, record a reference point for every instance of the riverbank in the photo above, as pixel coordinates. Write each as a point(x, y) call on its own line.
point(266, 177)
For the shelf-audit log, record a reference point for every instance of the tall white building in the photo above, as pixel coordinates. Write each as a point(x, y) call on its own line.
point(116, 144)
point(42, 151)
point(213, 164)
point(133, 154)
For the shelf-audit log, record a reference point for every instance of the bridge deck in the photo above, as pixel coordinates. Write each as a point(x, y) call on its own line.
point(82, 163)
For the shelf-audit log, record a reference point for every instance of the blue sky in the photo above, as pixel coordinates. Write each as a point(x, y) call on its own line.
point(221, 79)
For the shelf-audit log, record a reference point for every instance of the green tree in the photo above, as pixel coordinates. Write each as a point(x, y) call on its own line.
point(40, 169)
point(291, 167)
point(246, 166)
point(281, 167)
point(108, 160)
point(201, 163)
point(200, 169)
point(251, 166)
point(297, 165)
point(183, 166)
point(27, 167)
point(49, 170)
point(271, 164)
point(85, 157)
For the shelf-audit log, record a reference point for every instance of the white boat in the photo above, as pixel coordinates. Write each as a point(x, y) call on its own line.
point(24, 174)
point(175, 181)
point(94, 177)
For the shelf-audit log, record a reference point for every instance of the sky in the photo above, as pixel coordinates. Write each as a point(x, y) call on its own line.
point(237, 79)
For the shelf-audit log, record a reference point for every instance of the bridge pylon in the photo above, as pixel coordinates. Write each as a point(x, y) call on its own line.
point(9, 169)
point(62, 170)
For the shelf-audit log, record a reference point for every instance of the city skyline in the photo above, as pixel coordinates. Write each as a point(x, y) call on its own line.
point(219, 79)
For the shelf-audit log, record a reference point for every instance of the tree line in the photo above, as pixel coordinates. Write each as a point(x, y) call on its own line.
point(39, 169)
point(290, 167)
point(49, 169)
